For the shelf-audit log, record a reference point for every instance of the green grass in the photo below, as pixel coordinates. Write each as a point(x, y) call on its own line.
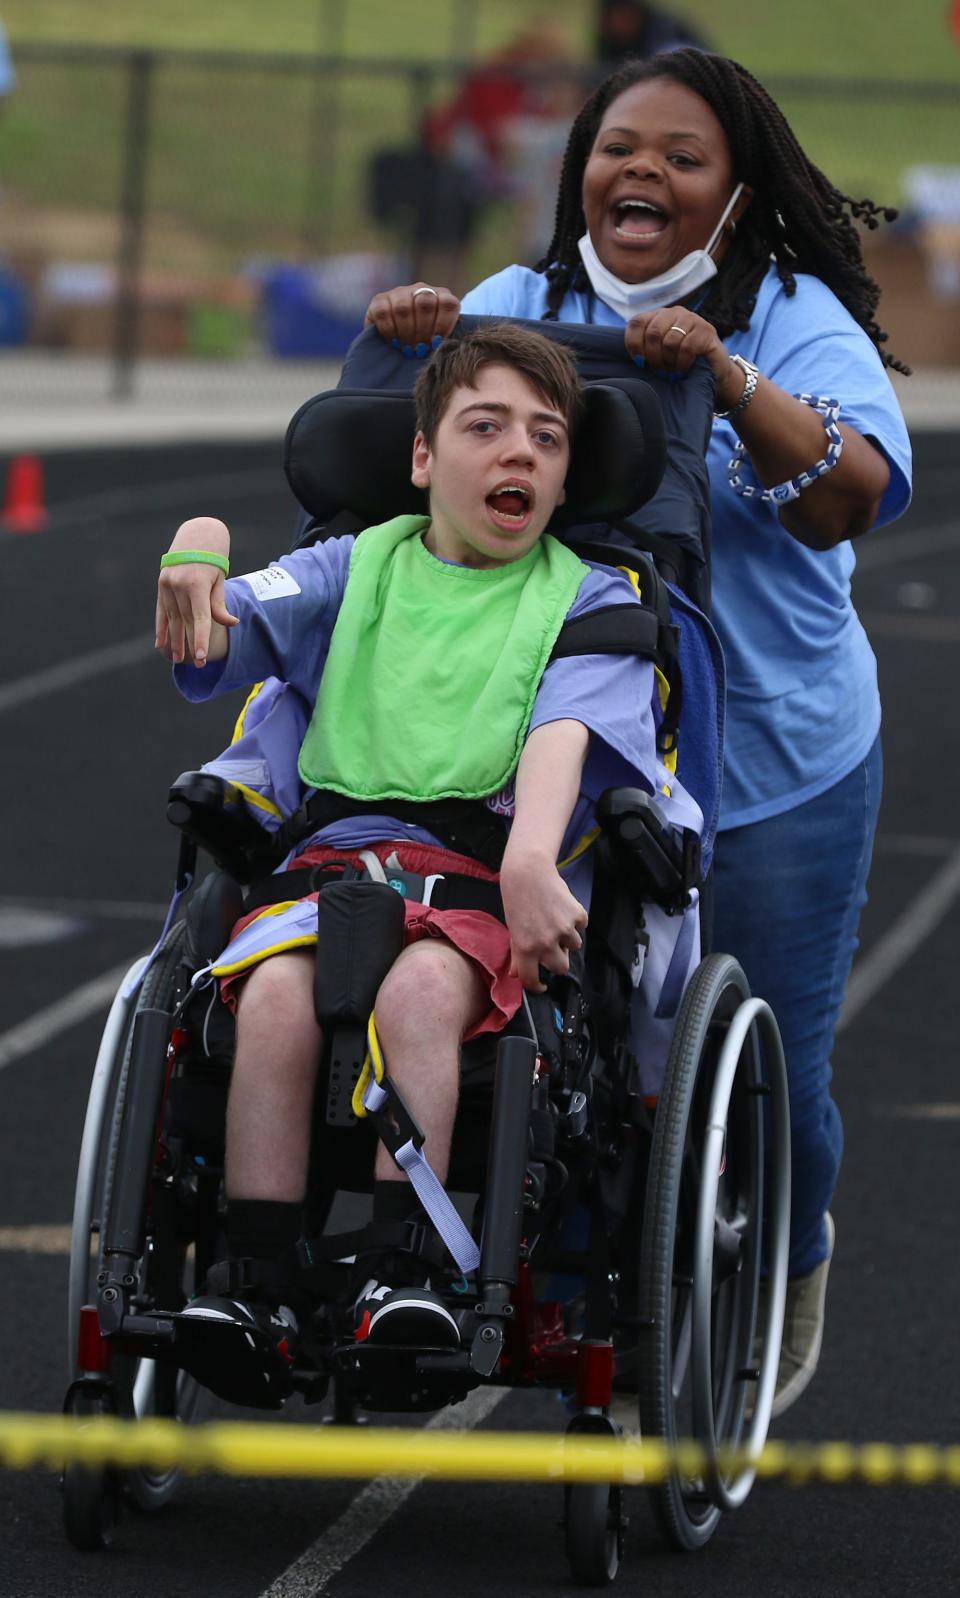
point(817, 37)
point(257, 163)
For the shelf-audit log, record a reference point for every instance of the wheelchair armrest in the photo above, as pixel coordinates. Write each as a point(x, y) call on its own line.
point(663, 866)
point(196, 805)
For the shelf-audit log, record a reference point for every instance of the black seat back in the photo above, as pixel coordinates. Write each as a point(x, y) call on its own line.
point(672, 521)
point(349, 450)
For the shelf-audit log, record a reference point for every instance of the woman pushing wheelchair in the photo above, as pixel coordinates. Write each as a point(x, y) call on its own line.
point(421, 653)
point(689, 216)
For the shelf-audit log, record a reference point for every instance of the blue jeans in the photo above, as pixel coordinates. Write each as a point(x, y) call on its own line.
point(788, 893)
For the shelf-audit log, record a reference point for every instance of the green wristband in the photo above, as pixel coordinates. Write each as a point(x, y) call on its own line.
point(203, 557)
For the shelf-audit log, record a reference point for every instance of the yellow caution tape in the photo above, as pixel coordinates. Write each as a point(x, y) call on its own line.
point(236, 1448)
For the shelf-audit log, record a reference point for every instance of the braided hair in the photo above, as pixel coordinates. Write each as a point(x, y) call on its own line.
point(796, 215)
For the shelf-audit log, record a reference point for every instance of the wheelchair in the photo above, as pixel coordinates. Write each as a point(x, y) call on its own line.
point(622, 1232)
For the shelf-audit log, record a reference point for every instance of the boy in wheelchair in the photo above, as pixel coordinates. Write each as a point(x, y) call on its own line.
point(456, 758)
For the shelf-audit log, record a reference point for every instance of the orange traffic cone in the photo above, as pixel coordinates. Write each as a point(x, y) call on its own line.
point(23, 508)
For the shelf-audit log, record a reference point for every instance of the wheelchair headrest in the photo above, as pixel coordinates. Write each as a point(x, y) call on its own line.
point(350, 449)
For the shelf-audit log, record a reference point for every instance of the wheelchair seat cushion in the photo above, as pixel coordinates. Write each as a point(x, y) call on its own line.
point(293, 925)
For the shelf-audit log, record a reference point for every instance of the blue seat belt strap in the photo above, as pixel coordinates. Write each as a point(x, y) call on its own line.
point(430, 1191)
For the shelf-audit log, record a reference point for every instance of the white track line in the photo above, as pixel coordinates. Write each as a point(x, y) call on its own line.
point(35, 1239)
point(61, 1016)
point(372, 1508)
point(80, 668)
point(927, 1112)
point(900, 941)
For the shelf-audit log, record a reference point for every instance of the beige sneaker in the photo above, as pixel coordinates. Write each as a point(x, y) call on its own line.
point(802, 1330)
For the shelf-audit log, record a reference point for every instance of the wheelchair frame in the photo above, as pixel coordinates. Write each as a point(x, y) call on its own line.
point(673, 1320)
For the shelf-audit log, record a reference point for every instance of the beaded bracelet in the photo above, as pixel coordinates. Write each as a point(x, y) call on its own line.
point(186, 557)
point(783, 493)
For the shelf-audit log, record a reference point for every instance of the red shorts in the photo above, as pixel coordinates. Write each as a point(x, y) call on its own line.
point(481, 937)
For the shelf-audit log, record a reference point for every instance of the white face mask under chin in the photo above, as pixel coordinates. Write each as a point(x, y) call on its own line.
point(667, 288)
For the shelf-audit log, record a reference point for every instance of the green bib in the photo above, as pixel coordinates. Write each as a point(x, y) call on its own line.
point(432, 671)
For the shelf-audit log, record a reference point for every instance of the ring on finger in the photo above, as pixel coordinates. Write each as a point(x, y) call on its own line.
point(426, 290)
point(683, 331)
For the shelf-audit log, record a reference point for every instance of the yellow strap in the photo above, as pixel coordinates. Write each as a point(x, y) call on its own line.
point(663, 687)
point(256, 800)
point(579, 848)
point(227, 969)
point(663, 690)
point(634, 578)
point(238, 725)
point(374, 1062)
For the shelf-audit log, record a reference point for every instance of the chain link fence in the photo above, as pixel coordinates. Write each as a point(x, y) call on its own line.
point(180, 213)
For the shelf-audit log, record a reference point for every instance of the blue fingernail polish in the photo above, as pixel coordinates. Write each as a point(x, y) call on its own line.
point(638, 360)
point(421, 350)
point(394, 343)
point(408, 352)
point(436, 341)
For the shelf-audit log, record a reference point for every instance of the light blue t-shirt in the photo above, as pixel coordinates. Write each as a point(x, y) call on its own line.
point(802, 703)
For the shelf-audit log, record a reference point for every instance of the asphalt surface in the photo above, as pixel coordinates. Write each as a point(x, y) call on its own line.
point(92, 734)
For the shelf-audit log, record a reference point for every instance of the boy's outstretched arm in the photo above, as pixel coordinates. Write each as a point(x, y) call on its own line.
point(192, 615)
point(543, 917)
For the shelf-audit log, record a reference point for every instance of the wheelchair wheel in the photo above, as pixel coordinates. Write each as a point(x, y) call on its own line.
point(594, 1532)
point(91, 1494)
point(701, 1242)
point(141, 1387)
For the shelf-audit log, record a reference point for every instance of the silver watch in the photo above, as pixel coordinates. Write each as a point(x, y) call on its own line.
point(751, 374)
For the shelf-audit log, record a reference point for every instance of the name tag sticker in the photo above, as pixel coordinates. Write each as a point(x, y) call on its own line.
point(274, 582)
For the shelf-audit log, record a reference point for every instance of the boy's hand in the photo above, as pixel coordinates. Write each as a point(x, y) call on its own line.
point(413, 316)
point(544, 919)
point(192, 616)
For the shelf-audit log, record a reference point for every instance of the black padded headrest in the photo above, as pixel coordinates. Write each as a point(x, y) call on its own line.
point(350, 449)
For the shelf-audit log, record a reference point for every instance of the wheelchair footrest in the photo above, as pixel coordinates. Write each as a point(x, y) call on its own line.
point(238, 1362)
point(394, 1378)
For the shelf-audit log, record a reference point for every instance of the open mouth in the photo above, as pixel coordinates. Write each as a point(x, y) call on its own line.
point(638, 219)
point(511, 505)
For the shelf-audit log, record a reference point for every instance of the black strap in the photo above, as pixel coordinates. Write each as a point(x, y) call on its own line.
point(627, 629)
point(453, 891)
point(456, 892)
point(417, 1239)
point(467, 826)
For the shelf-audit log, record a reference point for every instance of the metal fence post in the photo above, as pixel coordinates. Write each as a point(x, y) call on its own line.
point(420, 79)
point(126, 325)
point(324, 129)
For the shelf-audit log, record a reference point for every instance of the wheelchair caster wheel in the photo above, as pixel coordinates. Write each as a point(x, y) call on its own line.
point(594, 1533)
point(91, 1494)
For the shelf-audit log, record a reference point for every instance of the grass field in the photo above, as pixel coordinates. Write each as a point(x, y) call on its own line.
point(272, 162)
point(820, 37)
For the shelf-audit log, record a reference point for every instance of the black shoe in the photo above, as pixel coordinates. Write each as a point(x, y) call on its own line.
point(243, 1352)
point(404, 1317)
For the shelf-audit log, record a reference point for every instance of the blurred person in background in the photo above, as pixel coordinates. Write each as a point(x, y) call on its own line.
point(689, 216)
point(8, 77)
point(472, 148)
point(632, 28)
